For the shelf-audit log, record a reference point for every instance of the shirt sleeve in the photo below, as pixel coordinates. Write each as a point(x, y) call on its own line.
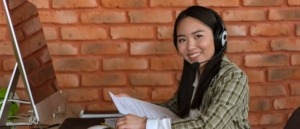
point(164, 123)
point(230, 95)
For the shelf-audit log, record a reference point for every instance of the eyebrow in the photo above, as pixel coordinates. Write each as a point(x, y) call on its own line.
point(197, 31)
point(192, 33)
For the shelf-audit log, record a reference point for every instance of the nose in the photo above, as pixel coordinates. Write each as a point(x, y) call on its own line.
point(191, 44)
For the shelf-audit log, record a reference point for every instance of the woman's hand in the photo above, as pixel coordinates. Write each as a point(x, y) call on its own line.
point(122, 95)
point(131, 122)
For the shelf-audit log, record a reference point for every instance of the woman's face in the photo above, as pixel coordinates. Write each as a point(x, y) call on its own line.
point(195, 40)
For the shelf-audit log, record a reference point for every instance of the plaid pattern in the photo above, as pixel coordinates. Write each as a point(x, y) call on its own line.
point(225, 103)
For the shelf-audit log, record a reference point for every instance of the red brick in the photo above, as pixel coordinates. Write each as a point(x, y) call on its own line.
point(67, 80)
point(165, 32)
point(101, 106)
point(151, 79)
point(14, 4)
point(76, 64)
point(19, 34)
point(74, 3)
point(293, 2)
point(9, 64)
point(266, 119)
point(274, 118)
point(58, 16)
point(270, 30)
point(298, 30)
point(163, 93)
point(2, 17)
point(152, 48)
point(219, 3)
point(104, 48)
point(6, 48)
point(268, 90)
point(4, 79)
point(295, 59)
point(124, 3)
point(284, 14)
point(33, 44)
point(3, 33)
point(258, 60)
point(51, 33)
point(83, 33)
point(171, 3)
point(23, 13)
point(245, 15)
point(41, 3)
point(32, 26)
point(150, 16)
point(125, 64)
point(132, 32)
point(263, 2)
point(31, 63)
point(107, 79)
point(256, 75)
point(166, 63)
point(255, 45)
point(281, 74)
point(287, 103)
point(77, 95)
point(43, 55)
point(295, 89)
point(237, 30)
point(103, 17)
point(285, 45)
point(273, 126)
point(41, 75)
point(259, 104)
point(62, 49)
point(20, 83)
point(138, 93)
point(237, 59)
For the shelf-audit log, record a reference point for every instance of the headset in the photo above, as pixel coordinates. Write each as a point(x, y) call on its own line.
point(221, 33)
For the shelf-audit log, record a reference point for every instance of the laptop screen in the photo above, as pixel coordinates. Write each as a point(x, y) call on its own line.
point(32, 56)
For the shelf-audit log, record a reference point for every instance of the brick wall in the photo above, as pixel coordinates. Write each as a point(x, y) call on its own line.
point(125, 46)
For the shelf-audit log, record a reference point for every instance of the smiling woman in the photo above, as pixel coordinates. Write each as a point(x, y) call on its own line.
point(213, 92)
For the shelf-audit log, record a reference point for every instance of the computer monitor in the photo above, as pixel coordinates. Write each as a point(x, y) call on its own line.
point(34, 64)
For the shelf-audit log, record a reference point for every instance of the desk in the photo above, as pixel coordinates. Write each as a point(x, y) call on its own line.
point(68, 122)
point(50, 121)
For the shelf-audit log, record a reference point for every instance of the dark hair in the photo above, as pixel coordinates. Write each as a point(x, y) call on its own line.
point(212, 67)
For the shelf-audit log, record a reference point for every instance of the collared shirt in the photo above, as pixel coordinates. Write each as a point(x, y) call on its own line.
point(224, 105)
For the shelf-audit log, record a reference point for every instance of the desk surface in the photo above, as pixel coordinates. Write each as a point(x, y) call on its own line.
point(68, 122)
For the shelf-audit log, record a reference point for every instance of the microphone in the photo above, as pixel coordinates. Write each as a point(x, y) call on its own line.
point(196, 64)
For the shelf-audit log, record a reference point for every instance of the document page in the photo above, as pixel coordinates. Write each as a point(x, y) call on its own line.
point(128, 105)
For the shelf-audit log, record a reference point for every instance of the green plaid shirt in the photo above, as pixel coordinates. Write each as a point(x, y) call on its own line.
point(225, 103)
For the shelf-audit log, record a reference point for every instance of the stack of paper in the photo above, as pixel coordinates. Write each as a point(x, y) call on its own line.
point(128, 105)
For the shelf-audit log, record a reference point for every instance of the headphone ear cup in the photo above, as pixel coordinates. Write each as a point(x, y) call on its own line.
point(223, 38)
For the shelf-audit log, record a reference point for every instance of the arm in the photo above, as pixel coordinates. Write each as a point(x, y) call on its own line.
point(230, 95)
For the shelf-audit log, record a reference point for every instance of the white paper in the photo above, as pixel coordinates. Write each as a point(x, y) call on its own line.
point(128, 105)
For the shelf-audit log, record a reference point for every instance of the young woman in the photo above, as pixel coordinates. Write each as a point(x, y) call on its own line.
point(213, 92)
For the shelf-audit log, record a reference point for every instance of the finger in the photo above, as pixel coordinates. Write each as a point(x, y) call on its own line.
point(122, 95)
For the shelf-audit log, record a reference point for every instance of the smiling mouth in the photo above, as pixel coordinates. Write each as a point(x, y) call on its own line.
point(194, 55)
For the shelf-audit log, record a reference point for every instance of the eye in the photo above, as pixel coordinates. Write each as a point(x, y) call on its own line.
point(181, 40)
point(197, 36)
